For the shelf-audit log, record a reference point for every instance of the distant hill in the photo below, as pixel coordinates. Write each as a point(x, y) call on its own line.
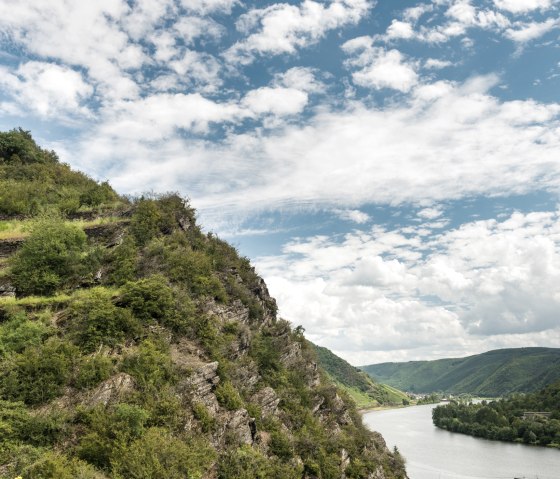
point(365, 391)
point(493, 373)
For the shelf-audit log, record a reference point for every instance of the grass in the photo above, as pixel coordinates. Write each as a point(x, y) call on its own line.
point(36, 301)
point(18, 229)
point(59, 299)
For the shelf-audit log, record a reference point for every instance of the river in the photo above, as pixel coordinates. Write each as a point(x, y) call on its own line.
point(433, 453)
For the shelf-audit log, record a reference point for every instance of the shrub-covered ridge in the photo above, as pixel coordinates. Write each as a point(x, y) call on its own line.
point(150, 349)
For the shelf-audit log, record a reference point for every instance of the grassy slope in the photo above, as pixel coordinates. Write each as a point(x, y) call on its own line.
point(493, 373)
point(364, 391)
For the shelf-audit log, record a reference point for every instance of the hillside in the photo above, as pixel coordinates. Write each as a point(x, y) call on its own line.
point(492, 374)
point(365, 391)
point(133, 345)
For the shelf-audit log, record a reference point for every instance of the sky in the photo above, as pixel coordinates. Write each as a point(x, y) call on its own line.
point(392, 168)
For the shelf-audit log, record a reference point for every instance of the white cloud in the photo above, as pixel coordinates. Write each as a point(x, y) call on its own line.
point(191, 28)
point(205, 7)
point(55, 30)
point(159, 116)
point(491, 283)
point(525, 32)
point(522, 6)
point(276, 101)
point(413, 14)
point(47, 89)
point(285, 28)
point(195, 67)
point(430, 213)
point(379, 68)
point(355, 216)
point(436, 64)
point(300, 78)
point(448, 142)
point(399, 29)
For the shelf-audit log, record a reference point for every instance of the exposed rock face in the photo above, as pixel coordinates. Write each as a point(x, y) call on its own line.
point(7, 289)
point(111, 390)
point(239, 425)
point(227, 312)
point(9, 247)
point(267, 399)
point(200, 384)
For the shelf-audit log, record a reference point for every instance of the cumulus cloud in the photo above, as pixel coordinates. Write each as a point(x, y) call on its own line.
point(278, 101)
point(399, 29)
point(300, 78)
point(285, 28)
point(379, 68)
point(488, 283)
point(522, 6)
point(430, 213)
point(47, 89)
point(355, 216)
point(55, 30)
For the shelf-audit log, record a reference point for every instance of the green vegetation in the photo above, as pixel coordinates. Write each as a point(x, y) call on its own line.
point(490, 374)
point(50, 259)
point(33, 181)
point(147, 349)
point(357, 384)
point(517, 418)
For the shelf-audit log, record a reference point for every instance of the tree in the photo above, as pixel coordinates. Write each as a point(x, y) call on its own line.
point(51, 258)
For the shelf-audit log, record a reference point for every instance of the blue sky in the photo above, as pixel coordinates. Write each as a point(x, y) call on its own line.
point(391, 167)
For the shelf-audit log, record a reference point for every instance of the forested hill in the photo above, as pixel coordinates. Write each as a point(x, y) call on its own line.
point(532, 418)
point(361, 387)
point(133, 345)
point(492, 374)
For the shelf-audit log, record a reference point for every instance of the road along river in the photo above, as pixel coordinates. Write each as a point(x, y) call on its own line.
point(433, 453)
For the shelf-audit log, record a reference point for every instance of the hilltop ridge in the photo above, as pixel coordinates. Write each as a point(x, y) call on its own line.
point(493, 373)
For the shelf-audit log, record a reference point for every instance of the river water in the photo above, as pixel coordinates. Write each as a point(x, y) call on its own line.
point(433, 453)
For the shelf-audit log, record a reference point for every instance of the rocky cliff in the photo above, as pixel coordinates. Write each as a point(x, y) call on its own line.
point(147, 349)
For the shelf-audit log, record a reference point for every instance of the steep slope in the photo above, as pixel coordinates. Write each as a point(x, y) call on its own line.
point(365, 391)
point(143, 348)
point(493, 373)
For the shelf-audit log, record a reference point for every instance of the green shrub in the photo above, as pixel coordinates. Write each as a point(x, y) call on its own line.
point(150, 366)
point(49, 259)
point(248, 463)
point(94, 320)
point(123, 261)
point(206, 420)
point(39, 373)
point(228, 397)
point(150, 299)
point(160, 455)
point(19, 332)
point(184, 265)
point(110, 431)
point(53, 465)
point(92, 370)
point(145, 221)
point(281, 446)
